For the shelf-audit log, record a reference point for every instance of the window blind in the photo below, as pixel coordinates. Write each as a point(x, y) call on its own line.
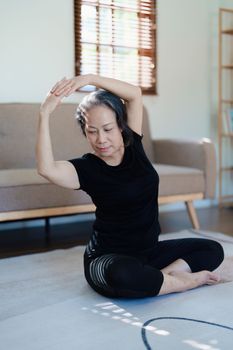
point(116, 38)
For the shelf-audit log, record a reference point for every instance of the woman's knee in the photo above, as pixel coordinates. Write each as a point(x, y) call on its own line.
point(130, 277)
point(214, 252)
point(120, 271)
point(217, 249)
point(123, 276)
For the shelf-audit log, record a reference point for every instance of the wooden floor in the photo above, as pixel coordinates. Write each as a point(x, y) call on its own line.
point(33, 240)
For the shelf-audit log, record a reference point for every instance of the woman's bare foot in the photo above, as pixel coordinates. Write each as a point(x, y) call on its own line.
point(197, 279)
point(182, 281)
point(225, 270)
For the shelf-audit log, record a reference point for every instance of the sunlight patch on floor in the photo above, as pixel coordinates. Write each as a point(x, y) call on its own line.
point(200, 346)
point(116, 313)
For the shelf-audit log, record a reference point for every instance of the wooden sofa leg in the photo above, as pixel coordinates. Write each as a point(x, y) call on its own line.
point(192, 214)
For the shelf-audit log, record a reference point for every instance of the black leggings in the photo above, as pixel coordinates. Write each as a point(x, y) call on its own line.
point(139, 275)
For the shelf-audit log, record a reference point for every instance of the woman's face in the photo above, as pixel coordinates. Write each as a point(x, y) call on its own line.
point(103, 133)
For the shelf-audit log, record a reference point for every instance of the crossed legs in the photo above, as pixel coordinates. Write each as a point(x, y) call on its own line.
point(178, 277)
point(198, 267)
point(173, 266)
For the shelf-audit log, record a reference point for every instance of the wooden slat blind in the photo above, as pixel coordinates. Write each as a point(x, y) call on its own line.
point(116, 38)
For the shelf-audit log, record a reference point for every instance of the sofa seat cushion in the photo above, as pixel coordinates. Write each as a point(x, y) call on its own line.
point(25, 189)
point(26, 197)
point(176, 180)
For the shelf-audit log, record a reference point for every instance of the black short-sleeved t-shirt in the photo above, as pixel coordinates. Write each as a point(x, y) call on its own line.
point(125, 197)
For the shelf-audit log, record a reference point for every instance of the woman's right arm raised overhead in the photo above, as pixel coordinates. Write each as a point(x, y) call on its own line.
point(61, 173)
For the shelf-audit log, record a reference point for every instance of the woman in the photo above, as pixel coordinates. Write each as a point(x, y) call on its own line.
point(124, 257)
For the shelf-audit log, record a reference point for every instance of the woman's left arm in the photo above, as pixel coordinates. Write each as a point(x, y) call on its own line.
point(131, 94)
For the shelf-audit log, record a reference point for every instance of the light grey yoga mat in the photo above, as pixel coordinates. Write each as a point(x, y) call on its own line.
point(45, 303)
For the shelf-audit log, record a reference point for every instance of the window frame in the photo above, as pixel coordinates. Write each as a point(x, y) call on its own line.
point(152, 90)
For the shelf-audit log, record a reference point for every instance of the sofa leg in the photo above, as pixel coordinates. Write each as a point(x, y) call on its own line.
point(192, 214)
point(47, 231)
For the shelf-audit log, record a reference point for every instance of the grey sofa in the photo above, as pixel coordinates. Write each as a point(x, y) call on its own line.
point(187, 169)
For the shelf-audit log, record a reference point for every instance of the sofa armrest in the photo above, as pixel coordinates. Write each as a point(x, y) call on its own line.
point(199, 154)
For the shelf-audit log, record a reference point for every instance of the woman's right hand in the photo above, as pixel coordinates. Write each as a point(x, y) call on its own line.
point(53, 100)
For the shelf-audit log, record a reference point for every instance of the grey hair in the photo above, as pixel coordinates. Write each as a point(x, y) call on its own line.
point(111, 101)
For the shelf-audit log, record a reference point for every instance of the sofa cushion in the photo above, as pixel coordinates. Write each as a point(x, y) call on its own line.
point(176, 180)
point(39, 196)
point(22, 189)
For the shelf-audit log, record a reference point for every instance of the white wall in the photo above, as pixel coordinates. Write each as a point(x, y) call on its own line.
point(182, 107)
point(37, 49)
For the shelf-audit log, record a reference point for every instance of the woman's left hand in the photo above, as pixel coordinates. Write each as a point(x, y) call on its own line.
point(71, 85)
